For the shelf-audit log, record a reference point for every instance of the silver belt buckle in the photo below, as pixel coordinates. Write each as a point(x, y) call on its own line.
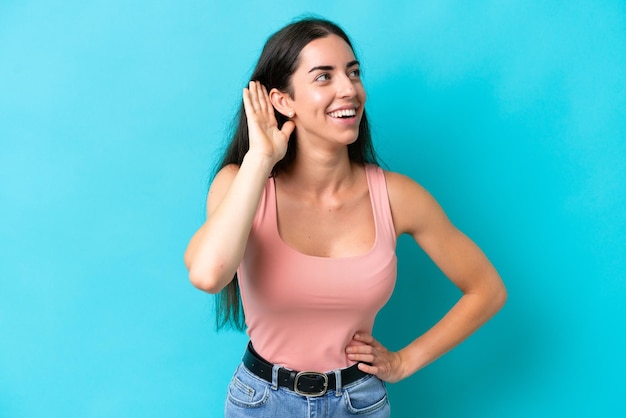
point(304, 393)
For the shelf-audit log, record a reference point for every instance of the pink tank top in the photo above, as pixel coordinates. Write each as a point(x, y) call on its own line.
point(302, 310)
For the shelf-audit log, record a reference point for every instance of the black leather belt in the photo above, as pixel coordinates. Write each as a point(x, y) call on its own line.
point(303, 383)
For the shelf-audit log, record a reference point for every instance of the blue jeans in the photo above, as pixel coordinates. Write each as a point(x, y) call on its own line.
point(250, 396)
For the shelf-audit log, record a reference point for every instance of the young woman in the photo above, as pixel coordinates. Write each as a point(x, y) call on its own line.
point(302, 222)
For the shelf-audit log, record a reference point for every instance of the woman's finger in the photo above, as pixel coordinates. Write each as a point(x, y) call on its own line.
point(247, 102)
point(365, 338)
point(368, 369)
point(264, 100)
point(360, 349)
point(367, 358)
point(288, 128)
point(254, 96)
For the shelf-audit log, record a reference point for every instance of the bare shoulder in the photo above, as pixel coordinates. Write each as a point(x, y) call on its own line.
point(227, 173)
point(400, 183)
point(220, 185)
point(413, 208)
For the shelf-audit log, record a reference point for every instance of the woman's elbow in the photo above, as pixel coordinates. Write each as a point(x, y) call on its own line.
point(207, 280)
point(499, 297)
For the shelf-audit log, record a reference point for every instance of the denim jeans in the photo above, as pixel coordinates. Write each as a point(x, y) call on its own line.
point(250, 396)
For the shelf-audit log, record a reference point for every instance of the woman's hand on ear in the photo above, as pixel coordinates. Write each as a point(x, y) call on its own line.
point(265, 137)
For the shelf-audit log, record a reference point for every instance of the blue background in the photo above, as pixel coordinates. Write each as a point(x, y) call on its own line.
point(113, 113)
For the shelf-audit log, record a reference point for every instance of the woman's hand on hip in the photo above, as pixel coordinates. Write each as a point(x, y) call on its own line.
point(265, 137)
point(385, 364)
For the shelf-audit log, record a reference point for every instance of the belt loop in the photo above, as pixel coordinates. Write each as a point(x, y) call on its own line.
point(338, 384)
point(275, 369)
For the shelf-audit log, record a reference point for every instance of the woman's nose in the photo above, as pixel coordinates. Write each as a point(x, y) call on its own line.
point(345, 87)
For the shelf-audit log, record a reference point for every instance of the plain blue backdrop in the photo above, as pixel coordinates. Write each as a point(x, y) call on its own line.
point(113, 114)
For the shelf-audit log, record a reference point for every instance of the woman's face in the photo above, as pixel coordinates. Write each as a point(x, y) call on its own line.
point(328, 96)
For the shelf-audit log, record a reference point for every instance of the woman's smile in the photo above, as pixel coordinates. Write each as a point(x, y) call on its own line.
point(346, 116)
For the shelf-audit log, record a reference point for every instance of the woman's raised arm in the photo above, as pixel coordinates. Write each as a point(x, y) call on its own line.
point(216, 249)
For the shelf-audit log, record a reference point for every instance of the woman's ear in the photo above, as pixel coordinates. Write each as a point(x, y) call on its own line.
point(281, 102)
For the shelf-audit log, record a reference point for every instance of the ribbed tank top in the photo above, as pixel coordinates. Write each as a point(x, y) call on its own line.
point(302, 310)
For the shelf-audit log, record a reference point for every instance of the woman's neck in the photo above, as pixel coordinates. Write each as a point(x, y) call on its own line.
point(317, 173)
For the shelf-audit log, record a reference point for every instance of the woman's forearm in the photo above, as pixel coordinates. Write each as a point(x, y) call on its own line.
point(217, 248)
point(465, 317)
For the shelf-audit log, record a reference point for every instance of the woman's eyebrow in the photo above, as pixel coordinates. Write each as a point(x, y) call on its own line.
point(330, 67)
point(322, 68)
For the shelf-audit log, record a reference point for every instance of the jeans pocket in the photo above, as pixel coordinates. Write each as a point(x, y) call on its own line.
point(247, 391)
point(367, 396)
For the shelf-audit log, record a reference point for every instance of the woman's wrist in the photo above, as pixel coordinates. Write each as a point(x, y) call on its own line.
point(413, 359)
point(261, 161)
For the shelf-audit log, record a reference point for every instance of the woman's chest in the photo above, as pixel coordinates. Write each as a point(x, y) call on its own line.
point(328, 230)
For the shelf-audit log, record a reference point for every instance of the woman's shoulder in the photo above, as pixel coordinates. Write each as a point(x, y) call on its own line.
point(411, 204)
point(225, 175)
point(400, 184)
point(228, 170)
point(220, 184)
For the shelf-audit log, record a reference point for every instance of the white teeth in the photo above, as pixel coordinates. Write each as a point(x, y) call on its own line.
point(343, 113)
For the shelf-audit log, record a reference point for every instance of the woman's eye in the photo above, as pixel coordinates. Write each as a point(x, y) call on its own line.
point(323, 77)
point(355, 73)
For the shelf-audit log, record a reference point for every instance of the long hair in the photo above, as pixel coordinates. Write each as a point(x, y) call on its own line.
point(275, 67)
